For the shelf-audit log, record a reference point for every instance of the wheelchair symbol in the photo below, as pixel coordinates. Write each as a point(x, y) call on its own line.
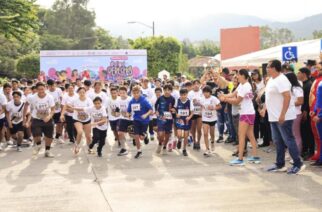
point(289, 55)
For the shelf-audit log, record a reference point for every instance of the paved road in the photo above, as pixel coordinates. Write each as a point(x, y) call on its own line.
point(153, 183)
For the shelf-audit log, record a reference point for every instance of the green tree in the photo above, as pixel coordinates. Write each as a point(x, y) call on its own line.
point(317, 34)
point(183, 63)
point(272, 37)
point(56, 42)
point(188, 48)
point(103, 39)
point(28, 66)
point(7, 66)
point(163, 53)
point(207, 48)
point(18, 18)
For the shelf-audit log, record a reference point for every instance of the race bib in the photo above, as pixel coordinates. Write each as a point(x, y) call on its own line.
point(208, 114)
point(136, 107)
point(16, 117)
point(197, 109)
point(82, 116)
point(167, 115)
point(183, 112)
point(57, 105)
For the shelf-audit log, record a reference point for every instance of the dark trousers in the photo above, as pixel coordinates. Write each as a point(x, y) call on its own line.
point(266, 130)
point(259, 127)
point(307, 137)
point(99, 137)
point(70, 128)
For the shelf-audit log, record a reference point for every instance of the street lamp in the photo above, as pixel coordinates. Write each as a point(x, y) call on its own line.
point(146, 25)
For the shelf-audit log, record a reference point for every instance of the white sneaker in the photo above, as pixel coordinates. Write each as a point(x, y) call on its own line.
point(59, 140)
point(19, 149)
point(10, 142)
point(48, 154)
point(1, 147)
point(159, 149)
point(207, 153)
point(36, 149)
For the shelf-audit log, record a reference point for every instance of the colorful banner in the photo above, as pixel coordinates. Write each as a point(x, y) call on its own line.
point(110, 65)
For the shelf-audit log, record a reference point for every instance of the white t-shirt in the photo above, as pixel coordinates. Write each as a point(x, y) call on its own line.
point(209, 115)
point(274, 98)
point(175, 94)
point(82, 116)
point(297, 93)
point(57, 94)
point(15, 112)
point(97, 115)
point(259, 86)
point(123, 105)
point(112, 104)
point(246, 105)
point(3, 103)
point(147, 93)
point(68, 100)
point(92, 95)
point(40, 107)
point(195, 97)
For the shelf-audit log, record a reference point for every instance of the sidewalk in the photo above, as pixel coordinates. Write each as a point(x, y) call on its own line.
point(152, 183)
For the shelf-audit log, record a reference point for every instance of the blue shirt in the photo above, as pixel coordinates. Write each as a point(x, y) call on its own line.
point(138, 108)
point(164, 104)
point(318, 105)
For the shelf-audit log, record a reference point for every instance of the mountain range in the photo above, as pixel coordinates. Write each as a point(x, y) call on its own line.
point(209, 27)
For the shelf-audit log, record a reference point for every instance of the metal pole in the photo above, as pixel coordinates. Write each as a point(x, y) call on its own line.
point(153, 28)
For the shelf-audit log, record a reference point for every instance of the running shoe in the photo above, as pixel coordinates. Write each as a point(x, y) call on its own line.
point(138, 155)
point(99, 154)
point(179, 144)
point(184, 152)
point(207, 153)
point(237, 162)
point(252, 159)
point(275, 168)
point(134, 143)
point(36, 149)
point(316, 164)
point(122, 152)
point(91, 151)
point(296, 170)
point(146, 140)
point(220, 139)
point(48, 154)
point(159, 149)
point(152, 137)
point(19, 149)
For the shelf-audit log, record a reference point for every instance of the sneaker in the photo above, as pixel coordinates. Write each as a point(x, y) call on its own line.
point(138, 154)
point(291, 162)
point(198, 146)
point(296, 170)
point(159, 149)
point(99, 154)
point(253, 159)
point(207, 153)
point(220, 139)
point(316, 164)
point(146, 140)
point(91, 151)
point(195, 146)
point(36, 149)
point(190, 140)
point(60, 141)
point(48, 154)
point(122, 152)
point(184, 152)
point(275, 168)
point(179, 144)
point(237, 162)
point(19, 149)
point(134, 143)
point(228, 141)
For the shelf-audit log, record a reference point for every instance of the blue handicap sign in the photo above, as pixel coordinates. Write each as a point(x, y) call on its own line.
point(321, 46)
point(289, 53)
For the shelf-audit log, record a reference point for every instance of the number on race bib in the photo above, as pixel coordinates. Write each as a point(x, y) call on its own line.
point(167, 115)
point(183, 112)
point(136, 107)
point(82, 116)
point(197, 110)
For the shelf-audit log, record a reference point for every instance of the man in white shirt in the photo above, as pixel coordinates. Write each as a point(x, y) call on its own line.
point(281, 116)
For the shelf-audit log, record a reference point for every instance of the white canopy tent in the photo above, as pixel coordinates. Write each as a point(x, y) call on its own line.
point(309, 49)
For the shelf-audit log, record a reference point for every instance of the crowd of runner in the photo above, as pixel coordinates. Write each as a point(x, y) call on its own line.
point(280, 110)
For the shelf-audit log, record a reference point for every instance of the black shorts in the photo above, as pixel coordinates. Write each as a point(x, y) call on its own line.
point(39, 127)
point(83, 123)
point(114, 125)
point(211, 123)
point(124, 125)
point(140, 128)
point(56, 118)
point(16, 128)
point(194, 117)
point(153, 122)
point(2, 122)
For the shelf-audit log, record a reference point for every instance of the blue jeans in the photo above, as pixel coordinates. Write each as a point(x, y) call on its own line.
point(319, 127)
point(283, 137)
point(230, 125)
point(221, 121)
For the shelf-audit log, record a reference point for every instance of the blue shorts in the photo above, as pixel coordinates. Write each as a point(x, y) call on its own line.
point(124, 124)
point(140, 128)
point(114, 125)
point(164, 126)
point(185, 126)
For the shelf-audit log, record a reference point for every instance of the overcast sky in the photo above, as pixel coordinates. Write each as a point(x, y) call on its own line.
point(114, 15)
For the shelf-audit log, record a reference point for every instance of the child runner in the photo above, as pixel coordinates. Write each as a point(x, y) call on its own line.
point(243, 95)
point(209, 117)
point(124, 121)
point(164, 108)
point(141, 110)
point(14, 115)
point(113, 111)
point(184, 113)
point(82, 119)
